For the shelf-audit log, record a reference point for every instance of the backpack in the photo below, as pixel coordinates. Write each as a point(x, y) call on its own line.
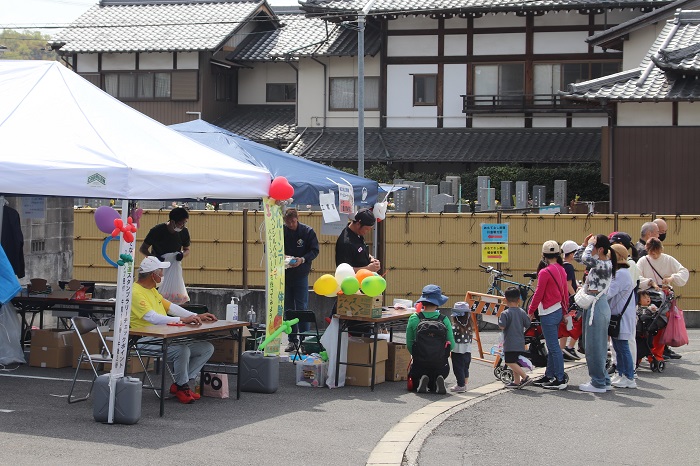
point(430, 345)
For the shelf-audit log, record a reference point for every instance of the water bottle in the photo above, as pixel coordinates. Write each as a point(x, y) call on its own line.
point(232, 309)
point(251, 316)
point(197, 383)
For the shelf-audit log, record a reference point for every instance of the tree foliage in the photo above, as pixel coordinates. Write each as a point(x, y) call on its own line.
point(25, 45)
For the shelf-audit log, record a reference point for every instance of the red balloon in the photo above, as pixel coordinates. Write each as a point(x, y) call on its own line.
point(280, 189)
point(128, 236)
point(116, 232)
point(118, 223)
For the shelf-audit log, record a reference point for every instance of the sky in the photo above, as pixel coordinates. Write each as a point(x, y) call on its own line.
point(32, 14)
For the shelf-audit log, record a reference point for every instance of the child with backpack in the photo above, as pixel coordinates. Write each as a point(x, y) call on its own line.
point(462, 350)
point(513, 322)
point(429, 339)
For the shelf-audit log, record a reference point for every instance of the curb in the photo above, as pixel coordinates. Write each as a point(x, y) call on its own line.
point(406, 438)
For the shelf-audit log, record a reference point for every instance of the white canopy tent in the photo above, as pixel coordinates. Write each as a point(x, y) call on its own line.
point(62, 136)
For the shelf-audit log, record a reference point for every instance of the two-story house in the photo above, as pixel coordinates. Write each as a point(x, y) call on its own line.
point(650, 148)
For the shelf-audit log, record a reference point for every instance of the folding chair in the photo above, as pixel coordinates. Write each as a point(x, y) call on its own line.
point(304, 316)
point(147, 353)
point(83, 325)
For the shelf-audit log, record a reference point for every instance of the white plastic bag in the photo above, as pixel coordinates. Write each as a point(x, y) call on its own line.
point(173, 286)
point(525, 363)
point(329, 340)
point(10, 330)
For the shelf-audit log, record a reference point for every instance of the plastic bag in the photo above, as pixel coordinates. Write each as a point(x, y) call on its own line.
point(10, 330)
point(675, 334)
point(525, 363)
point(173, 286)
point(329, 340)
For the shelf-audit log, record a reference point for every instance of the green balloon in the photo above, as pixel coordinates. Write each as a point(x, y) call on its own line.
point(350, 285)
point(373, 286)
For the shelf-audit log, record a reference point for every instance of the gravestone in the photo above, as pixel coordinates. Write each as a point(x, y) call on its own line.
point(539, 196)
point(560, 194)
point(456, 181)
point(521, 194)
point(438, 202)
point(507, 193)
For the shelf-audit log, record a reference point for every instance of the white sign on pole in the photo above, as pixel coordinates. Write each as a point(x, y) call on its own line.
point(346, 199)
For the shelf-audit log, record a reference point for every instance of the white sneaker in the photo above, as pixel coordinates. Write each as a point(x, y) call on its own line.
point(615, 379)
point(631, 384)
point(588, 387)
point(621, 382)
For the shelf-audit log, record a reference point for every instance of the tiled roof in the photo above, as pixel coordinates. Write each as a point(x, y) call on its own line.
point(261, 123)
point(302, 36)
point(665, 74)
point(536, 145)
point(154, 27)
point(612, 37)
point(469, 6)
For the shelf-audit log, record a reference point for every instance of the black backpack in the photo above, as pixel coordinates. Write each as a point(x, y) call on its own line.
point(429, 347)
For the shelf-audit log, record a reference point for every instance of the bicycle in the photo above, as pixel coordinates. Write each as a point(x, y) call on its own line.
point(496, 277)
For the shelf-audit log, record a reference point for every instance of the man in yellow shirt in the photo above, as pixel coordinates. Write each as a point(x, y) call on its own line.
point(148, 307)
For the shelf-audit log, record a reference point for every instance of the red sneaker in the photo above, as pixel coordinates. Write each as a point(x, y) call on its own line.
point(184, 396)
point(173, 388)
point(195, 395)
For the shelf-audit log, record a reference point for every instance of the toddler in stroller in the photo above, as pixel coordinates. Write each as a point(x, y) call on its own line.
point(653, 305)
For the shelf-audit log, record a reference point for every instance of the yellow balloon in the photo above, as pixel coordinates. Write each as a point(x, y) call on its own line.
point(325, 284)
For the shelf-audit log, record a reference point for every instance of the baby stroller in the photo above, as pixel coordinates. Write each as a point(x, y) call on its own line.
point(536, 353)
point(649, 324)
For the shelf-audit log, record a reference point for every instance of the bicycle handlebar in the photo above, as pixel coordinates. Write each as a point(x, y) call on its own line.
point(496, 272)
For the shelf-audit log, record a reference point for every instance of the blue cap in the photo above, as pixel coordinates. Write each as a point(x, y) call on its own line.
point(432, 294)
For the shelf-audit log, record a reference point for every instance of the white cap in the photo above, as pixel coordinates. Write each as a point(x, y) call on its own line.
point(569, 246)
point(151, 264)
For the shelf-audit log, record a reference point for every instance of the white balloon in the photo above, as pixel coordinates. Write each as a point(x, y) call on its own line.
point(380, 210)
point(343, 271)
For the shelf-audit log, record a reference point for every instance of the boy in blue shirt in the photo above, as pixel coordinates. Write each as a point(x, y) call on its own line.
point(513, 322)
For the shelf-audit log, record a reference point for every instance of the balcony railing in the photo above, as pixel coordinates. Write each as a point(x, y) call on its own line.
point(525, 103)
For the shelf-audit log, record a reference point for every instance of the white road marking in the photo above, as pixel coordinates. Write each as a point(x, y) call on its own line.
point(42, 378)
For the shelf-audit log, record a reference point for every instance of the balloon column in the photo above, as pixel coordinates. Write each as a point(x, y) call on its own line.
point(350, 282)
point(108, 221)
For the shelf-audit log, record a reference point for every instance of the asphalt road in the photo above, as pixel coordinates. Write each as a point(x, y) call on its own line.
point(317, 426)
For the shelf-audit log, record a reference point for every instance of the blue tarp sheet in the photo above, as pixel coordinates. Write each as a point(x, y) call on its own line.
point(307, 177)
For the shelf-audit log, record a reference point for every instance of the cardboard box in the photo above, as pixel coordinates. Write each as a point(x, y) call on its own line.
point(51, 348)
point(312, 375)
point(93, 344)
point(362, 376)
point(397, 364)
point(360, 350)
point(360, 305)
point(226, 350)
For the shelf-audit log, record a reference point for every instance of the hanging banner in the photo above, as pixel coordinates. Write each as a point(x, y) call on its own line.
point(346, 199)
point(494, 252)
point(274, 248)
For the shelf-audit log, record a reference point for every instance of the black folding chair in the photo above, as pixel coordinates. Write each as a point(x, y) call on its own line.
point(304, 317)
point(83, 325)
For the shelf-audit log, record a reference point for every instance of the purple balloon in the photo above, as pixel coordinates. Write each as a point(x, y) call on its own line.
point(104, 218)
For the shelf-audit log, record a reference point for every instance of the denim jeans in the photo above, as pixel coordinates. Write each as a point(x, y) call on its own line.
point(460, 366)
point(296, 297)
point(596, 342)
point(625, 366)
point(188, 358)
point(555, 359)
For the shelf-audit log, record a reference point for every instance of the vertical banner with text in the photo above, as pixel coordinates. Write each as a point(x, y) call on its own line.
point(274, 248)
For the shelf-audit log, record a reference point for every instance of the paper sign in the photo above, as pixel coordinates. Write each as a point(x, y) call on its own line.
point(328, 209)
point(274, 238)
point(346, 199)
point(494, 232)
point(494, 252)
point(34, 207)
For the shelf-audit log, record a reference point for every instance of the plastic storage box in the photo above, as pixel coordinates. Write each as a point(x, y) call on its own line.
point(311, 374)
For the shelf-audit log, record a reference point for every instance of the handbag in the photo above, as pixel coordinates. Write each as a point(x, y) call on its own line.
point(583, 299)
point(215, 385)
point(675, 334)
point(616, 320)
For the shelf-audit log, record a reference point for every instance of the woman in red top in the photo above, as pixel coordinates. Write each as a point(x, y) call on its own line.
point(551, 300)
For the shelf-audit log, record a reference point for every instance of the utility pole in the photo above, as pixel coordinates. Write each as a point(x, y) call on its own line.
point(361, 21)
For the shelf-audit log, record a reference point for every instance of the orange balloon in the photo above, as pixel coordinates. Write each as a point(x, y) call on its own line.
point(362, 274)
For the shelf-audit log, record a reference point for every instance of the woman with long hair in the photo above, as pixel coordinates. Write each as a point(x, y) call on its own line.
point(621, 301)
point(594, 253)
point(551, 299)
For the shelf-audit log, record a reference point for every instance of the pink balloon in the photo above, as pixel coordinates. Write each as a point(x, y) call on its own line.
point(280, 189)
point(104, 218)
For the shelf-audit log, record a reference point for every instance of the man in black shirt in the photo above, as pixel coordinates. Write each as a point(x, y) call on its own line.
point(350, 247)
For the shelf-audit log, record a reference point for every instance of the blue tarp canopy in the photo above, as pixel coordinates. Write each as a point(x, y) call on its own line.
point(307, 177)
